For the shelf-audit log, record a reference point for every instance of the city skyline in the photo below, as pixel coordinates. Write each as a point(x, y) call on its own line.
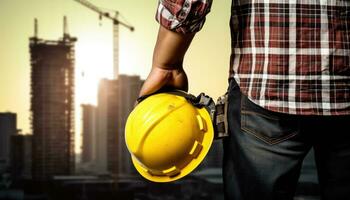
point(94, 49)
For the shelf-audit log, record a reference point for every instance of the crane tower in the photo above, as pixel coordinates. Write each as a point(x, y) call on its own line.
point(116, 24)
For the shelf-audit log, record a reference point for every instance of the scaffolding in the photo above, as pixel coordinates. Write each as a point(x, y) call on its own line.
point(52, 105)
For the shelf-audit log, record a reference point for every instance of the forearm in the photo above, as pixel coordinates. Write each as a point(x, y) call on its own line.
point(185, 19)
point(170, 49)
point(168, 55)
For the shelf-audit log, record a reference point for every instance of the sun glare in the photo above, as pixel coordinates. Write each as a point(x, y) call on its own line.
point(93, 62)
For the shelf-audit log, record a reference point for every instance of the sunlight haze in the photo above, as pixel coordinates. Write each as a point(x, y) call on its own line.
point(206, 62)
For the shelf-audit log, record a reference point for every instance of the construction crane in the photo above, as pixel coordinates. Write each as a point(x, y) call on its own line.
point(116, 24)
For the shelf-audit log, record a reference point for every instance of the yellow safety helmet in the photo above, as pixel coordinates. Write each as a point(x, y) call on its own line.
point(169, 134)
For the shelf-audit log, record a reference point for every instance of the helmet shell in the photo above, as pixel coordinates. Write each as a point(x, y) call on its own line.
point(168, 137)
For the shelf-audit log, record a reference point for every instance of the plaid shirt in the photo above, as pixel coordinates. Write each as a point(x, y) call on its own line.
point(287, 56)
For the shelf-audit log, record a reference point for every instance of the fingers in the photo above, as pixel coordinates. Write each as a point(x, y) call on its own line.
point(155, 81)
point(163, 78)
point(179, 80)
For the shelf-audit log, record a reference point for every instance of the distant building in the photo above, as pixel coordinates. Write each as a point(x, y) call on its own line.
point(106, 95)
point(129, 88)
point(88, 133)
point(116, 99)
point(52, 106)
point(21, 156)
point(8, 127)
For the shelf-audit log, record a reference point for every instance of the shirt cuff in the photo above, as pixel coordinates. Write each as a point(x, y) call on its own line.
point(183, 16)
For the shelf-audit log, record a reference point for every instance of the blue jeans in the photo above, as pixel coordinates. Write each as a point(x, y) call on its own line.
point(265, 151)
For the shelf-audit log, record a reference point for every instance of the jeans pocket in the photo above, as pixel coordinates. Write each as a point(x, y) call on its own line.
point(270, 127)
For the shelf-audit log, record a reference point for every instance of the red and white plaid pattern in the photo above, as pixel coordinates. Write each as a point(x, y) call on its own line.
point(290, 56)
point(183, 16)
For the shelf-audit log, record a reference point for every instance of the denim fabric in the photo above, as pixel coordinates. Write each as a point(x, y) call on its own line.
point(265, 151)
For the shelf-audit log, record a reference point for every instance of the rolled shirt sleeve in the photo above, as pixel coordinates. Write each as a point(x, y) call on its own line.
point(183, 16)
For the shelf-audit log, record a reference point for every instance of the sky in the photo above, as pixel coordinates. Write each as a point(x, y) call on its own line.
point(206, 62)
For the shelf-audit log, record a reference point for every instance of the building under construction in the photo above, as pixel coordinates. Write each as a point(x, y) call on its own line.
point(52, 105)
